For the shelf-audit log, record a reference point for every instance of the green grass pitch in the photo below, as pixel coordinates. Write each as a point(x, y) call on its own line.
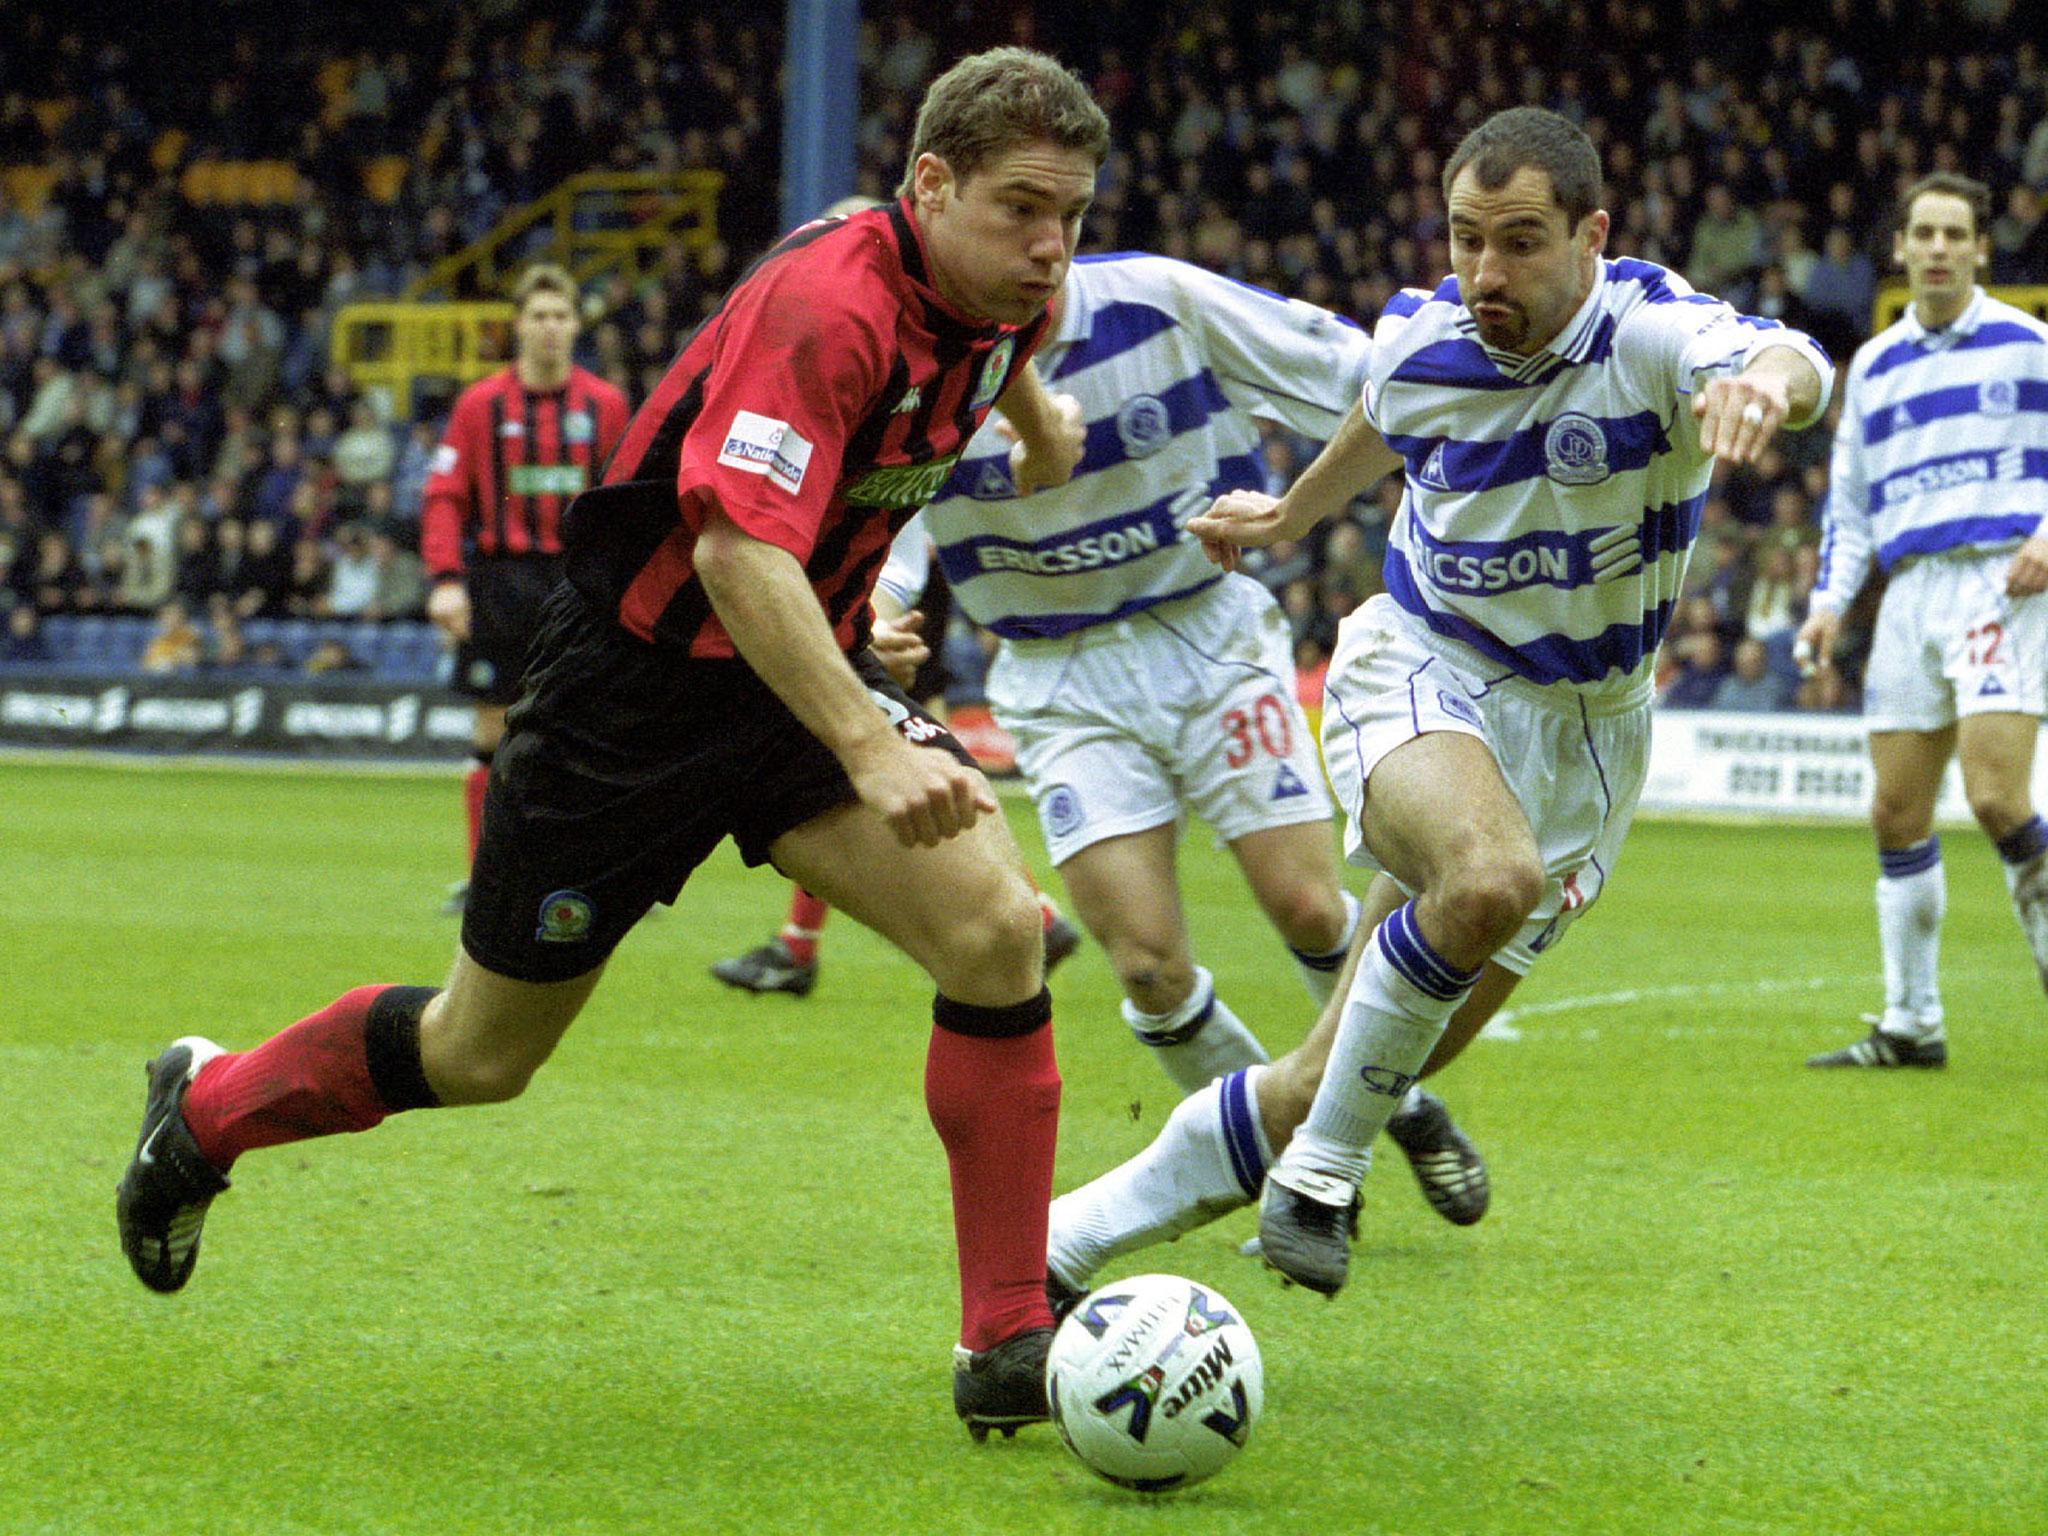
point(700, 1278)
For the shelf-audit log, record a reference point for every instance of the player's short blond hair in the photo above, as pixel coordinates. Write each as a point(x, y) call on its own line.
point(544, 278)
point(993, 102)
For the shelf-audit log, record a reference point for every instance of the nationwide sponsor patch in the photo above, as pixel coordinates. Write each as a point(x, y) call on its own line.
point(565, 918)
point(761, 445)
point(1575, 450)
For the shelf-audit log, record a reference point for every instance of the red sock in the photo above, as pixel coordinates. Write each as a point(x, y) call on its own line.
point(315, 1079)
point(996, 1106)
point(800, 930)
point(474, 783)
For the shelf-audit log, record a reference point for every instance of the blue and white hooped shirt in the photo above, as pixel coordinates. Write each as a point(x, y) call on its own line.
point(1943, 445)
point(1552, 500)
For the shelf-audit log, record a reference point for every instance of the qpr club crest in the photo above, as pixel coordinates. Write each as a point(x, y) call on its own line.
point(1143, 424)
point(993, 372)
point(1998, 397)
point(1575, 450)
point(1062, 811)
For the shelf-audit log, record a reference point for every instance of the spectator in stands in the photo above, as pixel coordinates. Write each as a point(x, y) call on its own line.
point(262, 586)
point(1840, 290)
point(1727, 244)
point(415, 461)
point(364, 453)
point(22, 640)
point(1750, 686)
point(175, 644)
point(197, 567)
point(331, 656)
point(306, 590)
point(226, 646)
point(1773, 595)
point(351, 577)
point(400, 587)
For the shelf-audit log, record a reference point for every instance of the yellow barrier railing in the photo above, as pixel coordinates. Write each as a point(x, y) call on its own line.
point(391, 347)
point(598, 222)
point(1893, 299)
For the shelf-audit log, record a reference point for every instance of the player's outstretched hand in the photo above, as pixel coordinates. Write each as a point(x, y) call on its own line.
point(1054, 460)
point(1237, 520)
point(899, 646)
point(1813, 648)
point(448, 608)
point(2028, 573)
point(1739, 414)
point(925, 796)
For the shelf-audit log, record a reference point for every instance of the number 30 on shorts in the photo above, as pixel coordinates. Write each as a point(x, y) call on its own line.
point(1266, 727)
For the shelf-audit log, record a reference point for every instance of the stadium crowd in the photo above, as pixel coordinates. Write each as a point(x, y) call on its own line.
point(176, 446)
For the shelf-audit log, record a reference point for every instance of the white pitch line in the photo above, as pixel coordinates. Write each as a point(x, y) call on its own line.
point(1502, 1025)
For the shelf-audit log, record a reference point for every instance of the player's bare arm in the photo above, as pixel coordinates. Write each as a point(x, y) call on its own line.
point(1354, 459)
point(1049, 431)
point(765, 601)
point(2028, 573)
point(448, 608)
point(1740, 414)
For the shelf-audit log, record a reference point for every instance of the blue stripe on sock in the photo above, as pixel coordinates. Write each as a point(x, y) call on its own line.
point(1898, 863)
point(2023, 842)
point(1330, 962)
point(1410, 954)
point(1239, 1138)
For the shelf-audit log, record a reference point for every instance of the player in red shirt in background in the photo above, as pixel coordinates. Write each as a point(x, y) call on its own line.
point(704, 672)
point(520, 445)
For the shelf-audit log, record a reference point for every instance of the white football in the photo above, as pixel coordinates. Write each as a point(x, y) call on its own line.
point(1155, 1382)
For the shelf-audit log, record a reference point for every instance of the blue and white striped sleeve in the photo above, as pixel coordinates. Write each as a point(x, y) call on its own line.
point(1697, 338)
point(908, 569)
point(1282, 358)
point(1847, 544)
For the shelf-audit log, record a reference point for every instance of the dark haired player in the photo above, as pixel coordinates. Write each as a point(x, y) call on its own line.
point(703, 672)
point(519, 445)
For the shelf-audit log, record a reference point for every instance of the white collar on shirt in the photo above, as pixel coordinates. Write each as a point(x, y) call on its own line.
point(1956, 330)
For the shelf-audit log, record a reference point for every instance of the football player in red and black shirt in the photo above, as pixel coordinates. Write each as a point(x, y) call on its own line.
point(703, 673)
point(520, 445)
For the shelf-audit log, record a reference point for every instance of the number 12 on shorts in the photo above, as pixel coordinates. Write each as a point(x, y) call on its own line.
point(1267, 721)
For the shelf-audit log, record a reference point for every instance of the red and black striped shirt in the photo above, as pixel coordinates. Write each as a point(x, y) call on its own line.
point(825, 401)
point(510, 463)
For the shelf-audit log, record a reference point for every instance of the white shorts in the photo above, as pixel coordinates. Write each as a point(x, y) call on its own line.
point(1189, 705)
point(1949, 643)
point(1576, 774)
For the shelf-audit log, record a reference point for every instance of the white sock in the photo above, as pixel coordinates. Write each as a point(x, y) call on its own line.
point(1912, 894)
point(2024, 856)
point(1209, 1158)
point(1319, 972)
point(1200, 1040)
point(1402, 996)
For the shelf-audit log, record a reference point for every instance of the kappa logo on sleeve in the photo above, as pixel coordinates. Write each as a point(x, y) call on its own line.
point(761, 445)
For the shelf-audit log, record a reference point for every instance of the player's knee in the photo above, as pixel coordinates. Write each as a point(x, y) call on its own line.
point(998, 939)
point(1899, 820)
point(1287, 1090)
point(1156, 979)
point(1486, 902)
point(1309, 914)
point(1998, 806)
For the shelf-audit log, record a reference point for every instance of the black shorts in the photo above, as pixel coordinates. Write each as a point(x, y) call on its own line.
point(624, 765)
point(505, 597)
